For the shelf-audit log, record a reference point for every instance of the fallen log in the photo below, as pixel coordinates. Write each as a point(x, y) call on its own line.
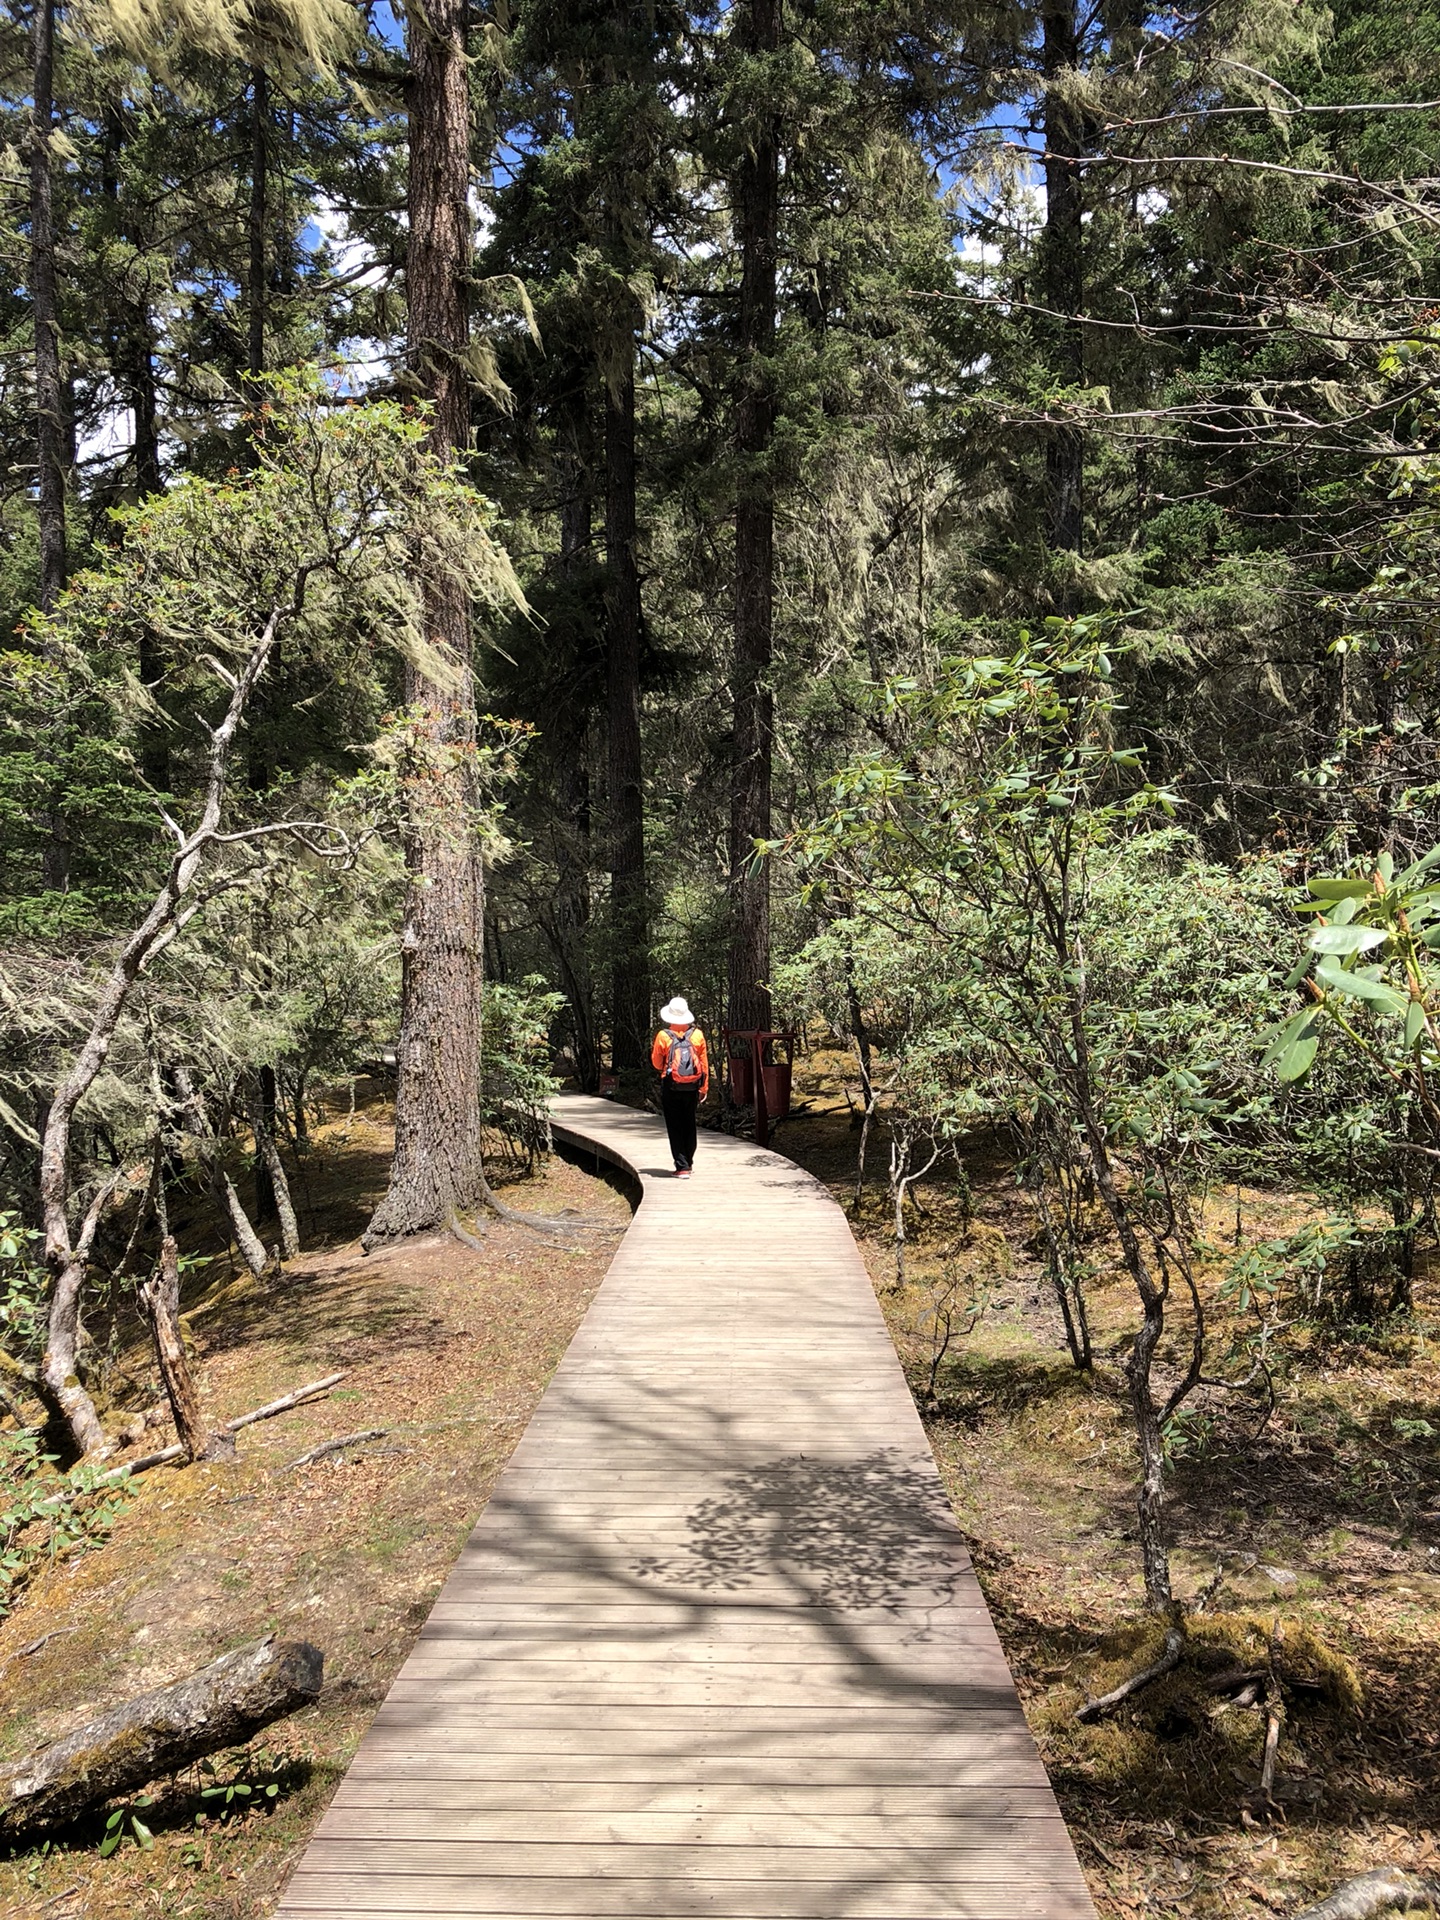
point(1387, 1890)
point(222, 1705)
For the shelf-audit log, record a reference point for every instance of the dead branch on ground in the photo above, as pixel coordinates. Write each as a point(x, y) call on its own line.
point(1386, 1890)
point(267, 1412)
point(337, 1446)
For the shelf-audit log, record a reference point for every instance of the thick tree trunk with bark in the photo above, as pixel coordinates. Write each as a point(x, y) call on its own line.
point(1063, 269)
point(437, 1165)
point(255, 222)
point(571, 922)
point(629, 920)
point(51, 434)
point(160, 1303)
point(223, 1705)
point(757, 216)
point(570, 928)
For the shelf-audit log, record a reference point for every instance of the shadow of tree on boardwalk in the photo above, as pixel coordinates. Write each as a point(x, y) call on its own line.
point(859, 1533)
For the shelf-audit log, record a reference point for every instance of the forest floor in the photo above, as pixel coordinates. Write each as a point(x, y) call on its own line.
point(1325, 1527)
point(448, 1351)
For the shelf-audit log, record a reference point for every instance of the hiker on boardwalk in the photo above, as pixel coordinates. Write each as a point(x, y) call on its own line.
point(680, 1058)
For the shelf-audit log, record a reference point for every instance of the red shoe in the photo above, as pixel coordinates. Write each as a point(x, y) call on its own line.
point(682, 1173)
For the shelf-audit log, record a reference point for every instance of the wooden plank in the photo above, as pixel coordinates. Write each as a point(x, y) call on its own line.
point(517, 1754)
point(609, 1826)
point(1002, 1864)
point(887, 1891)
point(716, 1646)
point(635, 1728)
point(376, 1897)
point(827, 1799)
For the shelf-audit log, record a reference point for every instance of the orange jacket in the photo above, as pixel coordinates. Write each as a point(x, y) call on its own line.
point(660, 1055)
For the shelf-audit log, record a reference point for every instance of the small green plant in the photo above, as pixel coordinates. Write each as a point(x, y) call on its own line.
point(46, 1516)
point(23, 1284)
point(224, 1799)
point(125, 1823)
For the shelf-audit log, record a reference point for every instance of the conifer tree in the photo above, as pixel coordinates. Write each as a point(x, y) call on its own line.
point(438, 1163)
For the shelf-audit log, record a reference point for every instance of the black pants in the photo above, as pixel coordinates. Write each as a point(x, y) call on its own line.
point(679, 1105)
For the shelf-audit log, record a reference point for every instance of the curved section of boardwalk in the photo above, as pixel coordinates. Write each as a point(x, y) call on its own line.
point(715, 1647)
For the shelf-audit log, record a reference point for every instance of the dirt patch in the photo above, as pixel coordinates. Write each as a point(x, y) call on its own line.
point(445, 1349)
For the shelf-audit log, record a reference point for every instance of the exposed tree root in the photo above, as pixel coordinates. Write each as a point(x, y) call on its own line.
point(539, 1222)
point(1386, 1890)
point(465, 1235)
point(1169, 1659)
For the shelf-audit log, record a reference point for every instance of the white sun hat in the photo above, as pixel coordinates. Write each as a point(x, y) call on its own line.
point(677, 1013)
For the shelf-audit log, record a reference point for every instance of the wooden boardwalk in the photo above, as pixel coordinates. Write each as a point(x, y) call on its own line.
point(714, 1647)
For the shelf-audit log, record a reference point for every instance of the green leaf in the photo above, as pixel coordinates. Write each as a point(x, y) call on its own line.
point(1385, 866)
point(1338, 889)
point(1297, 1027)
point(1297, 1059)
point(1422, 865)
point(142, 1833)
point(1360, 987)
point(1414, 1022)
point(1347, 939)
point(108, 1845)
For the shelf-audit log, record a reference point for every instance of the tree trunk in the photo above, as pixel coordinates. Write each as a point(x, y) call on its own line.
point(757, 215)
point(1062, 262)
point(1150, 1500)
point(437, 1165)
point(51, 435)
point(629, 927)
point(252, 1249)
point(58, 1381)
point(223, 1705)
point(66, 1254)
point(269, 1162)
point(260, 1106)
point(255, 223)
point(134, 336)
point(160, 1303)
point(571, 940)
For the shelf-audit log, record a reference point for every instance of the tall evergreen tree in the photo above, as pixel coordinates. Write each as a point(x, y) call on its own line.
point(438, 1158)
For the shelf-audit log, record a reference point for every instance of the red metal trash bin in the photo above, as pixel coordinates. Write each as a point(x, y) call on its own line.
point(745, 1047)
